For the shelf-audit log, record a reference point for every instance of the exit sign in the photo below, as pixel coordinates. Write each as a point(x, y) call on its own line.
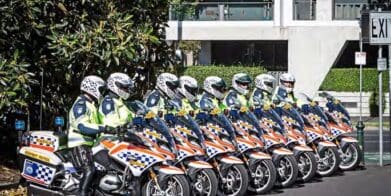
point(376, 27)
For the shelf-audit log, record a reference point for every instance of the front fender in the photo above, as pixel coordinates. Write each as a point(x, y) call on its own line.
point(326, 144)
point(282, 151)
point(302, 148)
point(170, 170)
point(231, 160)
point(259, 155)
point(199, 164)
point(345, 140)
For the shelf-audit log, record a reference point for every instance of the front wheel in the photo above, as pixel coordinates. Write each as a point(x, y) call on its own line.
point(263, 176)
point(205, 183)
point(287, 170)
point(234, 182)
point(328, 161)
point(176, 185)
point(351, 156)
point(306, 162)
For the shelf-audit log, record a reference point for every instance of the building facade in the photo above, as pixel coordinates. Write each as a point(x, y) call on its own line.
point(303, 37)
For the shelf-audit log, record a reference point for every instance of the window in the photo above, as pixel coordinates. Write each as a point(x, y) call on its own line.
point(349, 9)
point(304, 9)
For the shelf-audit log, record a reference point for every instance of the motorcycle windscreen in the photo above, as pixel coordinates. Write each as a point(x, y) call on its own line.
point(339, 108)
point(188, 122)
point(272, 115)
point(158, 124)
point(295, 115)
point(222, 120)
point(318, 111)
point(250, 117)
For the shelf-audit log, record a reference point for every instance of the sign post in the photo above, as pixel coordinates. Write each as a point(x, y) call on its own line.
point(360, 59)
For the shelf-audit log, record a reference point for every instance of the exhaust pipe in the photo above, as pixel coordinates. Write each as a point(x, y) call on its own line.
point(38, 190)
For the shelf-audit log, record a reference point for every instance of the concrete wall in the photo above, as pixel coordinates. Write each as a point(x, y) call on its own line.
point(313, 46)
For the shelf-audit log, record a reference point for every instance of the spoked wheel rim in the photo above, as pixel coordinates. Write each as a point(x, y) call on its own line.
point(174, 188)
point(285, 170)
point(233, 183)
point(262, 175)
point(202, 184)
point(328, 161)
point(305, 165)
point(349, 157)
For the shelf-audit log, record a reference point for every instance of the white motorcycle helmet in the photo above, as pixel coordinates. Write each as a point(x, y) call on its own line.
point(167, 83)
point(94, 86)
point(121, 84)
point(188, 87)
point(265, 82)
point(241, 82)
point(215, 86)
point(287, 82)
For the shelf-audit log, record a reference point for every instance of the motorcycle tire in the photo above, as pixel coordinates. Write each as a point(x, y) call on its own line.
point(310, 164)
point(270, 181)
point(356, 160)
point(335, 165)
point(180, 179)
point(241, 169)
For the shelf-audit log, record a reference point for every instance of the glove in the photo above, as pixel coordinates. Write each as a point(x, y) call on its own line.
point(110, 130)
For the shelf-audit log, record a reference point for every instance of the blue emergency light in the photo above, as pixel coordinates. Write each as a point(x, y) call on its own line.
point(20, 125)
point(59, 121)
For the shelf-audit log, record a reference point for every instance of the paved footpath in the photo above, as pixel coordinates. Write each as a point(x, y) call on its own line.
point(372, 181)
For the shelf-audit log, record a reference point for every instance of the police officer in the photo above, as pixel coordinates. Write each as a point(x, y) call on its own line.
point(214, 92)
point(187, 93)
point(284, 91)
point(166, 87)
point(212, 99)
point(236, 97)
point(187, 97)
point(160, 100)
point(263, 91)
point(84, 126)
point(113, 110)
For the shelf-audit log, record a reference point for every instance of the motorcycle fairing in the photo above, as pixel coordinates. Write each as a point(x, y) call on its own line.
point(38, 172)
point(40, 154)
point(137, 158)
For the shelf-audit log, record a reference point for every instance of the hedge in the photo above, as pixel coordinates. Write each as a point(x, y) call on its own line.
point(347, 79)
point(225, 72)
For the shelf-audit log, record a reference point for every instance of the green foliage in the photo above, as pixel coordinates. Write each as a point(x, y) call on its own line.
point(68, 40)
point(225, 72)
point(15, 83)
point(374, 103)
point(347, 79)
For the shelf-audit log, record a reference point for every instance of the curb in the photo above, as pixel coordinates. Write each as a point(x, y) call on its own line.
point(9, 185)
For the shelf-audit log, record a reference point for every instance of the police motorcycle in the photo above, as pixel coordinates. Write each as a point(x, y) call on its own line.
point(191, 155)
point(294, 140)
point(309, 124)
point(339, 124)
point(283, 159)
point(123, 162)
point(221, 151)
point(262, 172)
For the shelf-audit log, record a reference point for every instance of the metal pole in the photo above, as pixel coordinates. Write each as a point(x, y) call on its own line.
point(380, 112)
point(360, 124)
point(389, 88)
point(41, 101)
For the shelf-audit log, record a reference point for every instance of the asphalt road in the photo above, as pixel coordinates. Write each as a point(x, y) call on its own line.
point(371, 140)
point(371, 181)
